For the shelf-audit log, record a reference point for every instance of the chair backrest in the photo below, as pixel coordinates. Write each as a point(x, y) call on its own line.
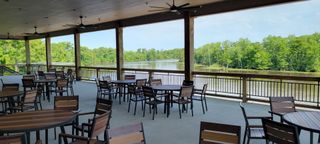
point(60, 74)
point(62, 83)
point(66, 103)
point(211, 133)
point(30, 96)
point(32, 77)
point(103, 106)
point(140, 83)
point(187, 83)
point(50, 76)
point(132, 89)
point(155, 82)
point(69, 72)
point(130, 134)
point(40, 73)
point(13, 139)
point(10, 87)
point(28, 83)
point(106, 78)
point(104, 85)
point(129, 77)
point(280, 133)
point(186, 91)
point(282, 105)
point(99, 125)
point(148, 92)
point(204, 89)
point(244, 113)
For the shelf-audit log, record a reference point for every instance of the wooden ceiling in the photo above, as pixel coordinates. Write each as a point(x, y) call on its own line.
point(18, 17)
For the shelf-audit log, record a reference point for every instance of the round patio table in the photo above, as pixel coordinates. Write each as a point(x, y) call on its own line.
point(309, 121)
point(168, 99)
point(9, 95)
point(35, 121)
point(122, 84)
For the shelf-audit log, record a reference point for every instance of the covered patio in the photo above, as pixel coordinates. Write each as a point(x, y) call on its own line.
point(48, 19)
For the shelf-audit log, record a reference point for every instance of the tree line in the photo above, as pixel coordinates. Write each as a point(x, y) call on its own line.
point(292, 53)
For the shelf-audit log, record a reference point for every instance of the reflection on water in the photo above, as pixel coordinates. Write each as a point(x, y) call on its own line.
point(159, 64)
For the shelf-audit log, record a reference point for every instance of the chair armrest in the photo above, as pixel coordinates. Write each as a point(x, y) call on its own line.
point(259, 117)
point(63, 135)
point(278, 114)
point(85, 113)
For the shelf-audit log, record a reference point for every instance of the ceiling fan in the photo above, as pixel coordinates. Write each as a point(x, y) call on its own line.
point(35, 33)
point(78, 26)
point(173, 8)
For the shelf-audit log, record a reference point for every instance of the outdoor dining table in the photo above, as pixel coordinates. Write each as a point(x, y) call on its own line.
point(10, 95)
point(123, 84)
point(35, 121)
point(46, 82)
point(309, 121)
point(170, 89)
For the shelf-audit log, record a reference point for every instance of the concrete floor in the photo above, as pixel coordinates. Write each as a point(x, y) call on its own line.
point(170, 130)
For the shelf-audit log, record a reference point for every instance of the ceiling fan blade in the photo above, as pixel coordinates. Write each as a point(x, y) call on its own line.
point(158, 7)
point(163, 10)
point(69, 25)
point(169, 4)
point(186, 4)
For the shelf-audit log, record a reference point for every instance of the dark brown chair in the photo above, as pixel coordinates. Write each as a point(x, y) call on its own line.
point(53, 70)
point(41, 75)
point(187, 83)
point(135, 93)
point(252, 131)
point(5, 101)
point(13, 139)
point(61, 87)
point(280, 133)
point(281, 105)
point(150, 98)
point(185, 98)
point(107, 78)
point(107, 89)
point(130, 134)
point(212, 133)
point(99, 125)
point(102, 106)
point(129, 77)
point(28, 84)
point(28, 101)
point(33, 77)
point(200, 95)
point(155, 82)
point(60, 74)
point(67, 103)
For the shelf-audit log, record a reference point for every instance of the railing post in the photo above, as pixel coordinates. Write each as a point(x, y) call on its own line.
point(244, 89)
point(318, 93)
point(27, 47)
point(150, 75)
point(97, 73)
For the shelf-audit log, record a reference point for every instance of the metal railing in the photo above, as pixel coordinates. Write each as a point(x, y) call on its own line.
point(258, 87)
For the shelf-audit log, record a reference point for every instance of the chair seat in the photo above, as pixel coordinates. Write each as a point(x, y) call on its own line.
point(92, 141)
point(182, 101)
point(138, 98)
point(257, 132)
point(154, 102)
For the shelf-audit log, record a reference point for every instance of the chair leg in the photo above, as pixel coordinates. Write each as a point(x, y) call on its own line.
point(245, 136)
point(202, 107)
point(205, 102)
point(135, 107)
point(154, 109)
point(129, 106)
point(144, 109)
point(179, 110)
point(191, 108)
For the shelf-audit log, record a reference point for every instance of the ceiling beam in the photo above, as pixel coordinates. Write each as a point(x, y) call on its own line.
point(213, 8)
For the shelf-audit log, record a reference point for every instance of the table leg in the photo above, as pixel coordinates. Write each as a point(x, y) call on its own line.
point(38, 140)
point(28, 137)
point(48, 91)
point(311, 137)
point(46, 133)
point(63, 131)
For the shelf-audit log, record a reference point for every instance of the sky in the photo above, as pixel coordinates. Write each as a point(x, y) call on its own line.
point(297, 18)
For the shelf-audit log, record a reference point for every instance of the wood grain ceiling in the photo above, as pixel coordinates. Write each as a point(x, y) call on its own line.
point(20, 16)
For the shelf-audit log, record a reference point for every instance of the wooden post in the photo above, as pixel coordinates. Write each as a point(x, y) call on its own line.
point(77, 55)
point(48, 53)
point(119, 51)
point(188, 45)
point(244, 89)
point(27, 47)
